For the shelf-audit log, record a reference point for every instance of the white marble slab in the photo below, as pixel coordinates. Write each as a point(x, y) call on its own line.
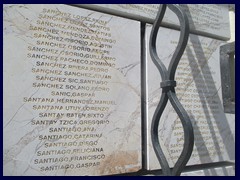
point(72, 103)
point(199, 90)
point(205, 19)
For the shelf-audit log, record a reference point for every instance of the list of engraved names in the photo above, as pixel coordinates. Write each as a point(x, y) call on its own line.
point(197, 92)
point(75, 70)
point(71, 58)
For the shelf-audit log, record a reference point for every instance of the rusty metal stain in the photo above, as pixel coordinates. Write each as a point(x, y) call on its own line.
point(120, 162)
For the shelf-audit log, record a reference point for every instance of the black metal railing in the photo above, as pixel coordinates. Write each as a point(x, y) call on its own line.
point(168, 92)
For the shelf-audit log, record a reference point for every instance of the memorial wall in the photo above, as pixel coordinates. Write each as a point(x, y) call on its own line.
point(80, 89)
point(199, 91)
point(209, 20)
point(71, 92)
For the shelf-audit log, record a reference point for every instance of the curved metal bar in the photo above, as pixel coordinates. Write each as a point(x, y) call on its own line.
point(152, 43)
point(188, 134)
point(183, 39)
point(154, 135)
point(168, 92)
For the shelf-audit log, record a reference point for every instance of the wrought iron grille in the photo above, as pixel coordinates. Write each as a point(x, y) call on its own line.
point(168, 92)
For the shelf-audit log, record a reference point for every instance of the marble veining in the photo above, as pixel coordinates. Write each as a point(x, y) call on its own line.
point(71, 92)
point(199, 90)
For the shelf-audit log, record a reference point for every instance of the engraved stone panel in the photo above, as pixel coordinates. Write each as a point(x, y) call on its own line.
point(71, 92)
point(205, 19)
point(199, 90)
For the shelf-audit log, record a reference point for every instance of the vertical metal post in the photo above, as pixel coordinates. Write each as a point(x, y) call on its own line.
point(168, 92)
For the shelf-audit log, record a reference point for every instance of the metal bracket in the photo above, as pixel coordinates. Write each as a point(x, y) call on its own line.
point(227, 52)
point(168, 92)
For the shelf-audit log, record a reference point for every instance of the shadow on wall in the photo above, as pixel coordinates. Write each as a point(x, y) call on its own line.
point(204, 89)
